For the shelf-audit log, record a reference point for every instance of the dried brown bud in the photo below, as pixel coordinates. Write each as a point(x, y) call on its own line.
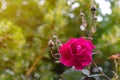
point(81, 14)
point(58, 41)
point(85, 24)
point(50, 43)
point(93, 8)
point(115, 56)
point(93, 29)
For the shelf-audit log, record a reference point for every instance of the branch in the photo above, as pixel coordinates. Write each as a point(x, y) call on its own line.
point(100, 70)
point(35, 62)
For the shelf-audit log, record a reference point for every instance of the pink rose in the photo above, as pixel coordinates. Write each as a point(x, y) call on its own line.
point(76, 52)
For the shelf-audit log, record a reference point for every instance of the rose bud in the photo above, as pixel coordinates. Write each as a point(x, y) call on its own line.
point(50, 43)
point(93, 8)
point(81, 14)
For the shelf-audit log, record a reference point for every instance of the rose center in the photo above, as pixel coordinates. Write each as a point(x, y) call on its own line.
point(78, 49)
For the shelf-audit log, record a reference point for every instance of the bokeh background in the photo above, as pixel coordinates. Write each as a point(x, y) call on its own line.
point(27, 25)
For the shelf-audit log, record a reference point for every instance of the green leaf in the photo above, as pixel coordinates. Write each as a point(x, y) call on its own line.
point(86, 72)
point(72, 74)
point(95, 75)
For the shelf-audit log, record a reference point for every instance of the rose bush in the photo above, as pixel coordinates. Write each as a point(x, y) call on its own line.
point(76, 52)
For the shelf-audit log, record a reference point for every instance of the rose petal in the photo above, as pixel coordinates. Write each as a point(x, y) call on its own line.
point(82, 62)
point(66, 56)
point(76, 52)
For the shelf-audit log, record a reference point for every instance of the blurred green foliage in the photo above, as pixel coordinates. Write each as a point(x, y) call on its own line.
point(27, 25)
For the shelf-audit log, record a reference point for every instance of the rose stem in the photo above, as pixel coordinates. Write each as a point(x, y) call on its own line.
point(116, 67)
point(57, 46)
point(51, 51)
point(100, 70)
point(88, 33)
point(84, 22)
